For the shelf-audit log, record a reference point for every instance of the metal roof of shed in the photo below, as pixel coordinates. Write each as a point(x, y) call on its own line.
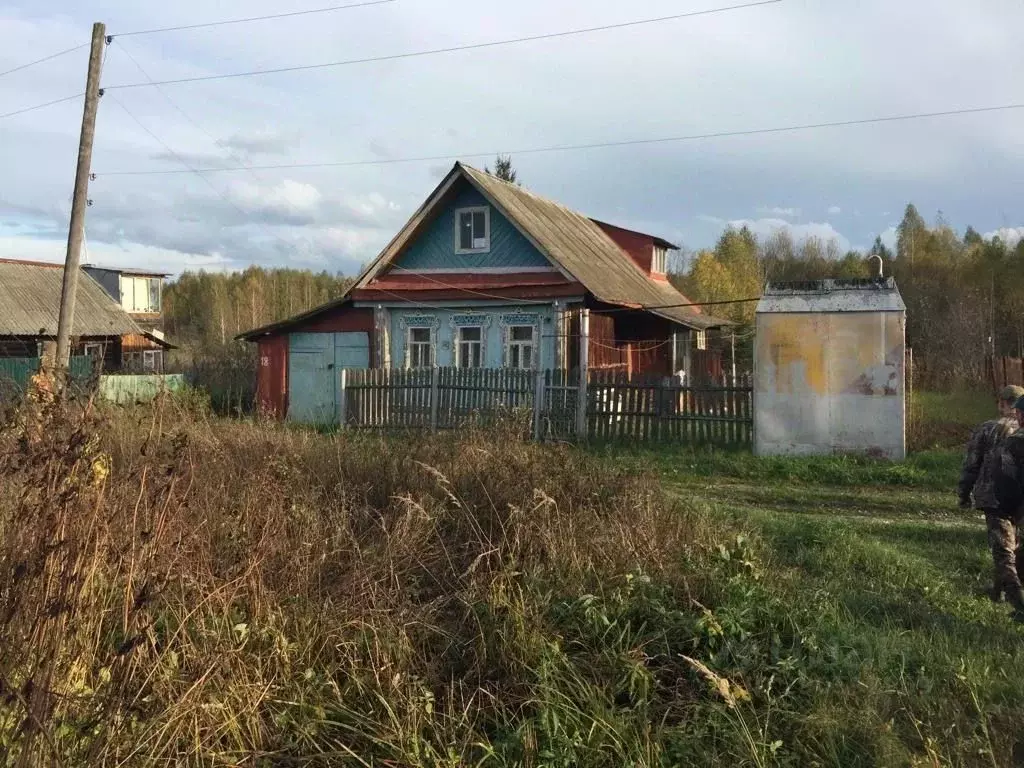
point(867, 295)
point(30, 303)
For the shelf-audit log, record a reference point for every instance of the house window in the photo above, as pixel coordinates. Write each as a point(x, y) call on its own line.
point(94, 351)
point(521, 346)
point(470, 347)
point(700, 339)
point(660, 261)
point(152, 360)
point(473, 230)
point(141, 294)
point(421, 348)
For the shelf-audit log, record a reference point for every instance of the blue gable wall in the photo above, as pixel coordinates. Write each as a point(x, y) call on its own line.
point(435, 248)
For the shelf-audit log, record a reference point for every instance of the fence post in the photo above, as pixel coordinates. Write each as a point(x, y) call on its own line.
point(538, 405)
point(343, 400)
point(435, 375)
point(581, 392)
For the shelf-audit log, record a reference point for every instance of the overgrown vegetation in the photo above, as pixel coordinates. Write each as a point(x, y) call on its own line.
point(181, 590)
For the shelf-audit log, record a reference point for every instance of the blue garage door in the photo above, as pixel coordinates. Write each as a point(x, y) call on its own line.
point(314, 364)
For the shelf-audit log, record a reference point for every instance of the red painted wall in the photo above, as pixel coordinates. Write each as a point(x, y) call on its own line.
point(342, 319)
point(272, 376)
point(639, 246)
point(272, 369)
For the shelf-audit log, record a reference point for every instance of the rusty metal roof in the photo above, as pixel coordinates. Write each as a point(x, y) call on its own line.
point(30, 303)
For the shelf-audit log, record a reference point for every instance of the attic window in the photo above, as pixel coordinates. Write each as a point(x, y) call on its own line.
point(473, 230)
point(660, 261)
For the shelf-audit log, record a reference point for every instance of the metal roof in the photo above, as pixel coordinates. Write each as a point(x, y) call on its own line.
point(579, 246)
point(140, 272)
point(860, 295)
point(30, 303)
point(574, 243)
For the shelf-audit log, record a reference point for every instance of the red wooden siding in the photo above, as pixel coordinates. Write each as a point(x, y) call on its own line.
point(639, 246)
point(344, 319)
point(272, 376)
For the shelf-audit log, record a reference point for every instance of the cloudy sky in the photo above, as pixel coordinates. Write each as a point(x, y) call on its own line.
point(790, 63)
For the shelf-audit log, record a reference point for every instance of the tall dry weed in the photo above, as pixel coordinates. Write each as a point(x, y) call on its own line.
point(176, 589)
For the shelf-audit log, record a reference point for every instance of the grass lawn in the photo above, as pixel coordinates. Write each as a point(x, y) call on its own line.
point(868, 572)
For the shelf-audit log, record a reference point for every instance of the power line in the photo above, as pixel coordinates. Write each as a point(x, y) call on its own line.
point(197, 172)
point(181, 111)
point(451, 49)
point(210, 136)
point(45, 58)
point(252, 18)
point(40, 106)
point(599, 145)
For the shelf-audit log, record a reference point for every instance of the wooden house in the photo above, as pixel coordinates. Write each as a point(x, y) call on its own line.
point(140, 294)
point(484, 275)
point(30, 306)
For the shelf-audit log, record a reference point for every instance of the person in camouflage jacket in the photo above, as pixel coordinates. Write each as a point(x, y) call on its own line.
point(1004, 521)
point(982, 464)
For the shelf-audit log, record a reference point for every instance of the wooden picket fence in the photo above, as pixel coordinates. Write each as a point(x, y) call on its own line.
point(614, 405)
point(641, 408)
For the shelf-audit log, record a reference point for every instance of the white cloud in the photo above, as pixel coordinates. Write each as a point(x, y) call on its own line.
point(502, 98)
point(1009, 235)
point(889, 238)
point(286, 196)
point(788, 213)
point(799, 232)
point(834, 210)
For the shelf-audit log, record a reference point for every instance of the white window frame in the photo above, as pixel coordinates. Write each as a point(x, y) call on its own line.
point(486, 210)
point(159, 283)
point(659, 261)
point(480, 343)
point(432, 351)
point(512, 343)
point(700, 340)
point(154, 355)
point(93, 345)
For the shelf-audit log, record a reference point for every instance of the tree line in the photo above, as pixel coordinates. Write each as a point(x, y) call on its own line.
point(964, 293)
point(204, 311)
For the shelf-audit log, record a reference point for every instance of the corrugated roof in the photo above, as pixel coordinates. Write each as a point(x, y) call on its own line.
point(30, 303)
point(573, 242)
point(578, 245)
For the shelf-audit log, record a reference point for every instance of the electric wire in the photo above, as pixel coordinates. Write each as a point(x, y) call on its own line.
point(448, 49)
point(596, 145)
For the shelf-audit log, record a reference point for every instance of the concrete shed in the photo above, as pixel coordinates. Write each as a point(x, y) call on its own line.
point(829, 369)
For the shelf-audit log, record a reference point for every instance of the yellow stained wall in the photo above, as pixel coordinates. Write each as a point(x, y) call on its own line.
point(831, 353)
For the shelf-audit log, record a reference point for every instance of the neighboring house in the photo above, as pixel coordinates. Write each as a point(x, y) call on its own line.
point(140, 294)
point(30, 306)
point(486, 274)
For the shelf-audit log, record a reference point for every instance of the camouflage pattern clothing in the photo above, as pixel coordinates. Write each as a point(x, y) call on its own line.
point(977, 472)
point(1004, 538)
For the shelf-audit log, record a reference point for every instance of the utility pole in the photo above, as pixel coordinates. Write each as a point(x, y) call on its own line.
point(76, 230)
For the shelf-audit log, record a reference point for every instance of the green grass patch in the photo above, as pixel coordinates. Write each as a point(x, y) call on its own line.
point(925, 469)
point(862, 593)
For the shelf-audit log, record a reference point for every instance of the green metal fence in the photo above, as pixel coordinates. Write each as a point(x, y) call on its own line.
point(15, 372)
